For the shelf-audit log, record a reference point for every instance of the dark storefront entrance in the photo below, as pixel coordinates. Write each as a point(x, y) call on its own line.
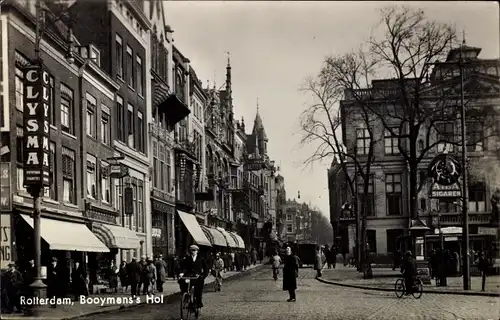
point(162, 226)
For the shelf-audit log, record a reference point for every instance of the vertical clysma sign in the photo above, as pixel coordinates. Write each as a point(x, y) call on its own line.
point(36, 126)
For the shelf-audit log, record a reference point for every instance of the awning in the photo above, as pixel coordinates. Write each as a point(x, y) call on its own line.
point(67, 236)
point(169, 103)
point(194, 228)
point(215, 236)
point(116, 237)
point(230, 240)
point(239, 240)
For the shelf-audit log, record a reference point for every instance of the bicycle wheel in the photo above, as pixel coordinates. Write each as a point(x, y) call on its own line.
point(185, 304)
point(194, 309)
point(418, 288)
point(399, 288)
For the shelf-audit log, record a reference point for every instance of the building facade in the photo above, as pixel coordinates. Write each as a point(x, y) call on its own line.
point(387, 216)
point(280, 203)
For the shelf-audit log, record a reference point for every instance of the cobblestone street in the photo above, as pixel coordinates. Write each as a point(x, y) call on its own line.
point(257, 296)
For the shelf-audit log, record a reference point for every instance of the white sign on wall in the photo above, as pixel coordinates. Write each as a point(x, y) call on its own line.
point(5, 241)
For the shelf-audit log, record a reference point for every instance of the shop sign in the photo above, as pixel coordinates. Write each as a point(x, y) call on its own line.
point(36, 126)
point(446, 191)
point(5, 241)
point(5, 196)
point(487, 231)
point(117, 171)
point(445, 169)
point(449, 239)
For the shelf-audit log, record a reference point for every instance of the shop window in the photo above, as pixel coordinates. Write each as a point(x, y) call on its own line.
point(371, 239)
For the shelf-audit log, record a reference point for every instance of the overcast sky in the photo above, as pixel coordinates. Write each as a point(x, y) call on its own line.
point(274, 46)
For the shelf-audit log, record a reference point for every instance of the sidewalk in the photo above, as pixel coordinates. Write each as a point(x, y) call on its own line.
point(66, 312)
point(384, 279)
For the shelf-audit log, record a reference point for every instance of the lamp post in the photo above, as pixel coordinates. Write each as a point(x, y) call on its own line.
point(461, 63)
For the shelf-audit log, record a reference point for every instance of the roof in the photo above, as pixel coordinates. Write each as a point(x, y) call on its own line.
point(258, 127)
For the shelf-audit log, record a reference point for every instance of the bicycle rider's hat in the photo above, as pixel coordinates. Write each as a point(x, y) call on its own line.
point(194, 247)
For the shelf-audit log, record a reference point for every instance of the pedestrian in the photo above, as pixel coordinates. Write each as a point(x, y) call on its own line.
point(14, 288)
point(151, 274)
point(483, 266)
point(113, 277)
point(28, 277)
point(161, 272)
point(254, 256)
point(54, 280)
point(233, 262)
point(409, 270)
point(290, 273)
point(133, 275)
point(333, 254)
point(144, 275)
point(318, 262)
point(124, 283)
point(326, 252)
point(79, 281)
point(217, 268)
point(276, 265)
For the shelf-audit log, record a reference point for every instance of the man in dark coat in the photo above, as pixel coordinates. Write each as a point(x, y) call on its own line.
point(483, 266)
point(192, 266)
point(14, 287)
point(79, 280)
point(161, 272)
point(290, 273)
point(54, 280)
point(28, 277)
point(409, 269)
point(134, 275)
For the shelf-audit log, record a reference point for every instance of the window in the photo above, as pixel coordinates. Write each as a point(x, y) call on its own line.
point(369, 199)
point(362, 141)
point(447, 205)
point(119, 57)
point(168, 176)
point(392, 239)
point(68, 169)
point(391, 141)
point(51, 192)
point(20, 159)
point(394, 194)
point(289, 228)
point(140, 129)
point(105, 183)
point(66, 109)
point(371, 239)
point(140, 72)
point(423, 204)
point(19, 85)
point(130, 68)
point(140, 209)
point(133, 218)
point(422, 176)
point(105, 127)
point(91, 116)
point(91, 177)
point(477, 197)
point(120, 119)
point(475, 136)
point(445, 132)
point(130, 124)
point(288, 217)
point(119, 202)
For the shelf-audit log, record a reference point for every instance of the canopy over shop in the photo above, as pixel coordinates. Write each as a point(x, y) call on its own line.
point(193, 227)
point(215, 236)
point(115, 236)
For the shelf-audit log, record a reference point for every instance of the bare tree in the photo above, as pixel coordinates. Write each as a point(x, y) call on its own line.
point(415, 97)
point(323, 124)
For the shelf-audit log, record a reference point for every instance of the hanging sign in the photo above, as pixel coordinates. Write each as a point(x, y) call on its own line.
point(445, 191)
point(36, 126)
point(5, 196)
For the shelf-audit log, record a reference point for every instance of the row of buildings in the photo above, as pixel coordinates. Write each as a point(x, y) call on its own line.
point(144, 159)
point(387, 215)
point(297, 221)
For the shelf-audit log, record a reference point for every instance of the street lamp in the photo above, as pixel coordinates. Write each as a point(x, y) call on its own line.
point(461, 63)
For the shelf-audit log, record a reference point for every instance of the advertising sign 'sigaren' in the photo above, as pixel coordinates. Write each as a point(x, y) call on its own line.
point(36, 126)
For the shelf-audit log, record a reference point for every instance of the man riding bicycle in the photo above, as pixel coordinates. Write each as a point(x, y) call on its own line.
point(409, 271)
point(194, 266)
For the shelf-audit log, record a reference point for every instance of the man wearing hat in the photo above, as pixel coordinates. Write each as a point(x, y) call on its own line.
point(194, 266)
point(409, 270)
point(13, 287)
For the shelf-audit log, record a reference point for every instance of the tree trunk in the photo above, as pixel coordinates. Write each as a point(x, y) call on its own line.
point(413, 196)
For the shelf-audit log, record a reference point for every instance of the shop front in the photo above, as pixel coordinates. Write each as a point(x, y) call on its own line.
point(163, 228)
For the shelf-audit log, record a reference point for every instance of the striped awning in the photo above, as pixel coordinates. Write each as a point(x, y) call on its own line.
point(231, 243)
point(160, 94)
point(238, 239)
point(215, 236)
point(115, 236)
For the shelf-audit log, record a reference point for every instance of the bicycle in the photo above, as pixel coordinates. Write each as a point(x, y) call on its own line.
point(217, 281)
point(189, 304)
point(400, 288)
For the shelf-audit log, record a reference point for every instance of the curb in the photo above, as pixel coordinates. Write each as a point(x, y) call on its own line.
point(465, 293)
point(168, 296)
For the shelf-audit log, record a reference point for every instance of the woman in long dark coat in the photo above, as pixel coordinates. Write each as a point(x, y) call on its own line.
point(290, 273)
